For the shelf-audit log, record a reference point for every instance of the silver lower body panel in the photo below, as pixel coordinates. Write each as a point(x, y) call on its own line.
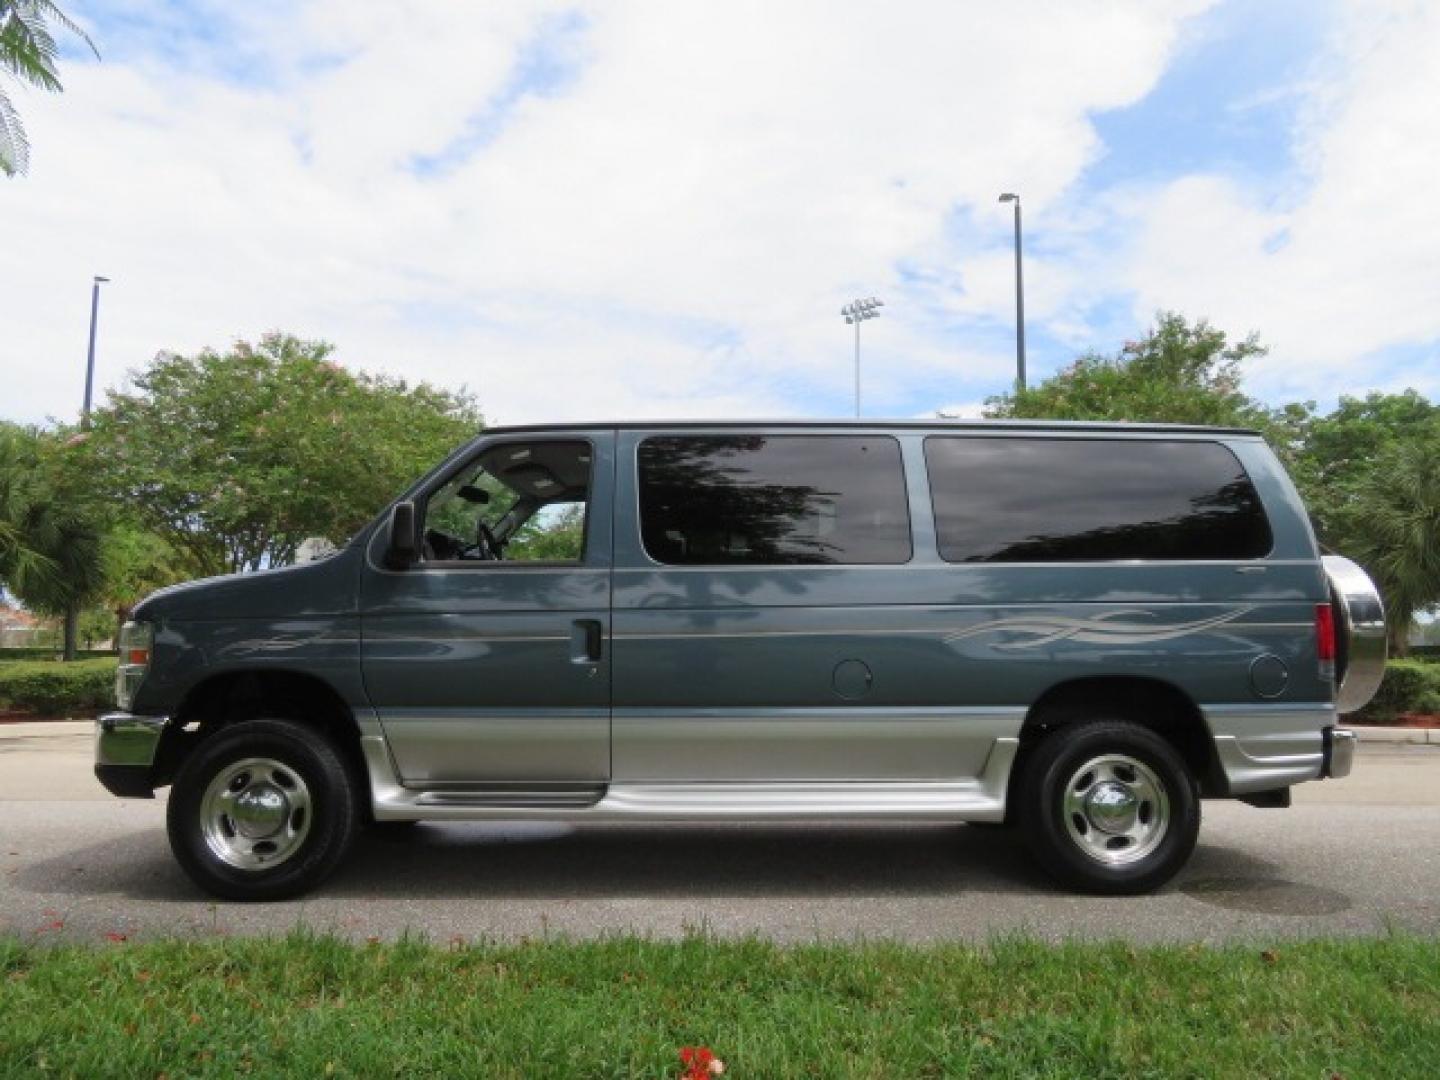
point(979, 799)
point(1261, 748)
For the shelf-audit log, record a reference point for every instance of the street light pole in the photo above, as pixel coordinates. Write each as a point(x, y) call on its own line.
point(72, 610)
point(1019, 297)
point(90, 360)
point(857, 311)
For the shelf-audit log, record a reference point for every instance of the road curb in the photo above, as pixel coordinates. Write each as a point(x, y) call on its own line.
point(1427, 736)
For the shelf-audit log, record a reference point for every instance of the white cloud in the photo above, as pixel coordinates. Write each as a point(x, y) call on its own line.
point(670, 232)
point(1349, 265)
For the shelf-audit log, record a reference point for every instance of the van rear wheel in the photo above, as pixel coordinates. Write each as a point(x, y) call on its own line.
point(263, 810)
point(1109, 807)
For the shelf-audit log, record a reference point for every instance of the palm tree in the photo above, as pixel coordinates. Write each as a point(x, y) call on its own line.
point(50, 551)
point(1393, 523)
point(73, 545)
point(28, 53)
point(23, 563)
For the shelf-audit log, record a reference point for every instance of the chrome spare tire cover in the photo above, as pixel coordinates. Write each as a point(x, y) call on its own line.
point(1359, 633)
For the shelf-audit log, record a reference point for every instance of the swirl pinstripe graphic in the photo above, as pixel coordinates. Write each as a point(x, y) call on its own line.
point(1100, 630)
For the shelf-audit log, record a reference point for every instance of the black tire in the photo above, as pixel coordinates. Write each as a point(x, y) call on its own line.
point(1068, 851)
point(315, 839)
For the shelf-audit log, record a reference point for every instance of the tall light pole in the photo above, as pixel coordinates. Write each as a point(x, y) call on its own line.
point(857, 311)
point(90, 361)
point(1019, 297)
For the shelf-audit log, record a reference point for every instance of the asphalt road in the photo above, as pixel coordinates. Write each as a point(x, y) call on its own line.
point(1355, 857)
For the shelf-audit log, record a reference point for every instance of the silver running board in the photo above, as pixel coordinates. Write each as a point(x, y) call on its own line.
point(979, 799)
point(558, 795)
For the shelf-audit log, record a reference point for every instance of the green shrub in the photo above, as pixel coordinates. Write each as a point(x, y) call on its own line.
point(48, 652)
point(1428, 703)
point(1408, 686)
point(45, 686)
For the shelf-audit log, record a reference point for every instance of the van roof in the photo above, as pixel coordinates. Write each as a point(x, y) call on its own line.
point(874, 425)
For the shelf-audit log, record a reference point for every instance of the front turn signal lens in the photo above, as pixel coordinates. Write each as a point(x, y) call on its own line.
point(135, 644)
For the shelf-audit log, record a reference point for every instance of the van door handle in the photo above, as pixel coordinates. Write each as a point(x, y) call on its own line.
point(585, 641)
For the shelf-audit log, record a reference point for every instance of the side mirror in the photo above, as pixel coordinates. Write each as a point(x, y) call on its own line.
point(403, 548)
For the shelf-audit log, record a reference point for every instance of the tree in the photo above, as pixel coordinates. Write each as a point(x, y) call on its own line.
point(1370, 471)
point(74, 545)
point(234, 458)
point(552, 534)
point(21, 501)
point(1176, 373)
point(1392, 528)
point(50, 554)
point(136, 563)
point(1341, 448)
point(28, 53)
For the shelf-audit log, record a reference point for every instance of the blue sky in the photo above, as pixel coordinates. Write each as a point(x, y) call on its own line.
point(593, 210)
point(1228, 101)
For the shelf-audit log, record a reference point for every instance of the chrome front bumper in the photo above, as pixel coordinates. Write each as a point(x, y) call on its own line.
point(125, 747)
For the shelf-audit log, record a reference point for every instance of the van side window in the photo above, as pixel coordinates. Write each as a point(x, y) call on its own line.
point(516, 502)
point(1059, 500)
point(708, 500)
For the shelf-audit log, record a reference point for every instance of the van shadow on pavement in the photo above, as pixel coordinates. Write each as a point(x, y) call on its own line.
point(541, 861)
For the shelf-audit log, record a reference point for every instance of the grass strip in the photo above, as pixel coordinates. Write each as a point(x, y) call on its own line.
point(618, 1007)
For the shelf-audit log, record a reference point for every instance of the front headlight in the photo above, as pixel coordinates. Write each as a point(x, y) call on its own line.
point(136, 641)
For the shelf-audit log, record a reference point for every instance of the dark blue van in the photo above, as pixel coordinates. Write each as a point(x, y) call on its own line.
point(1079, 630)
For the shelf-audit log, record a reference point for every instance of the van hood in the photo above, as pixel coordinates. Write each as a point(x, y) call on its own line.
point(325, 587)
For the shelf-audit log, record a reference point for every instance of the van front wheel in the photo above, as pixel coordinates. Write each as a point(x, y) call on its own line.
point(263, 810)
point(1109, 807)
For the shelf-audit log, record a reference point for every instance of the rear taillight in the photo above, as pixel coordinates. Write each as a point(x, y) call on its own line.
point(1325, 640)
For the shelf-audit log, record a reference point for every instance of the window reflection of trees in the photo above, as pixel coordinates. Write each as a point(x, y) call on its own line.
point(702, 503)
point(1221, 520)
point(1222, 524)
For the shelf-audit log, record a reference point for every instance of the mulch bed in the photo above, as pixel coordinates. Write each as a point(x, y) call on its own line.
point(1416, 720)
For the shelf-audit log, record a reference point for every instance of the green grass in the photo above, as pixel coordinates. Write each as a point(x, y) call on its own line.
point(316, 1006)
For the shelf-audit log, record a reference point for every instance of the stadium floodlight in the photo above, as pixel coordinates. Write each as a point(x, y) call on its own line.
point(856, 312)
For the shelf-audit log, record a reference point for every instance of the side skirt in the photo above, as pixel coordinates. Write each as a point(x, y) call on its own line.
point(979, 799)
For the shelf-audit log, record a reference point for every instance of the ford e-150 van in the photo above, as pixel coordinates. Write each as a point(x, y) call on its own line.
point(1078, 630)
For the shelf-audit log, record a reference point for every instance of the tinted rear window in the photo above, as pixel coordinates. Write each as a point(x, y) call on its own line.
point(1056, 500)
point(763, 499)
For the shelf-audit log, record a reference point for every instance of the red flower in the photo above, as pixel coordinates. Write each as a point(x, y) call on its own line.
point(700, 1063)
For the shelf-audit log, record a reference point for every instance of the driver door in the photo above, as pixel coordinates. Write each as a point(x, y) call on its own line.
point(496, 672)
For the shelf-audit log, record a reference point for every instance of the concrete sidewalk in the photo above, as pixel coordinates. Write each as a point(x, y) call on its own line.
point(1423, 736)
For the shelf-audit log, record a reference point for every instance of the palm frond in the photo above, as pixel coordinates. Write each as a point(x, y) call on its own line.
point(14, 147)
point(36, 13)
point(28, 52)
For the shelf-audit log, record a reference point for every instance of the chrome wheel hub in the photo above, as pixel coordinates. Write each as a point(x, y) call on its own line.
point(255, 813)
point(1111, 807)
point(1116, 809)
